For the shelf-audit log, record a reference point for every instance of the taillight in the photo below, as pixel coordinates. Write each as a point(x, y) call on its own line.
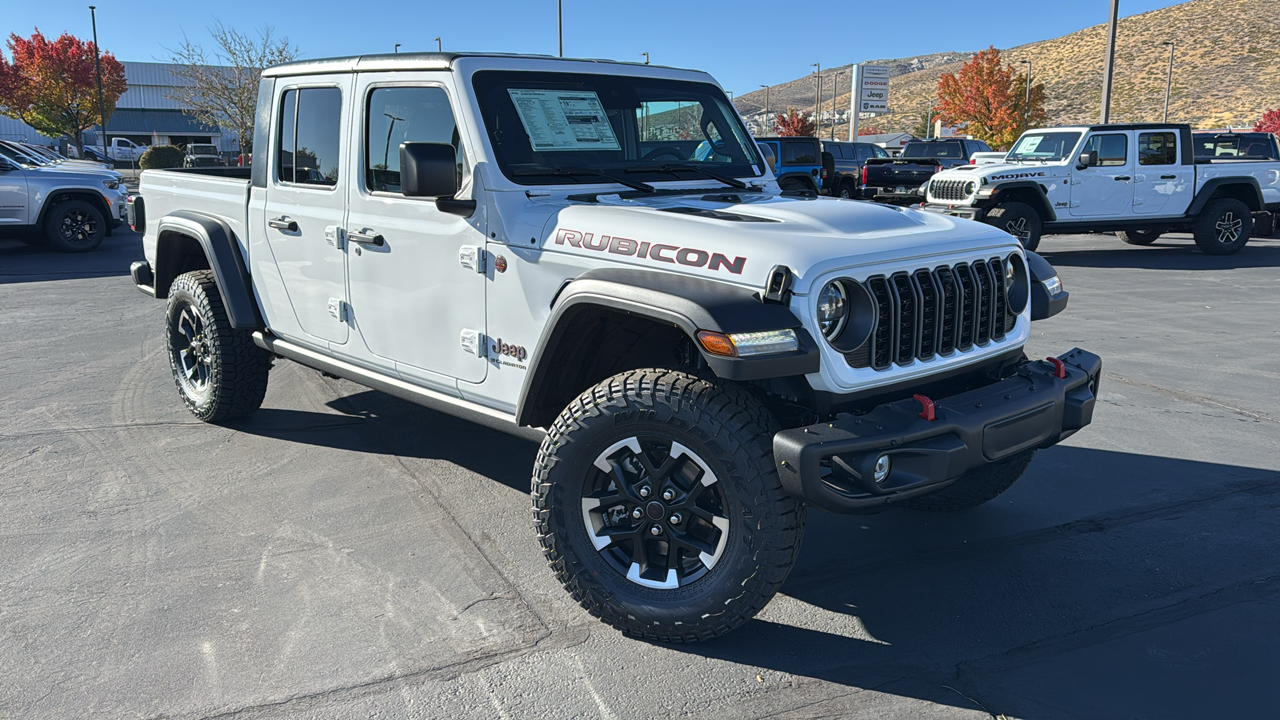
point(937, 168)
point(973, 161)
point(864, 174)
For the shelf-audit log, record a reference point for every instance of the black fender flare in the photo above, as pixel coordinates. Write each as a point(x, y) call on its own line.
point(1041, 205)
point(1044, 305)
point(222, 251)
point(1253, 191)
point(690, 304)
point(807, 177)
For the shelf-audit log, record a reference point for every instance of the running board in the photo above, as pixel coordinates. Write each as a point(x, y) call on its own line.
point(432, 399)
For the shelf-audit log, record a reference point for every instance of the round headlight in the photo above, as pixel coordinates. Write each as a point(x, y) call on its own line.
point(1016, 284)
point(833, 309)
point(969, 187)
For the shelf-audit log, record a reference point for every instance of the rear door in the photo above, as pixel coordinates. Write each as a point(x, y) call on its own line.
point(1163, 185)
point(13, 194)
point(1106, 189)
point(306, 201)
point(412, 296)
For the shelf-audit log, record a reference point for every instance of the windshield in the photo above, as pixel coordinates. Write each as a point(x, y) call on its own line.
point(953, 149)
point(546, 127)
point(1047, 146)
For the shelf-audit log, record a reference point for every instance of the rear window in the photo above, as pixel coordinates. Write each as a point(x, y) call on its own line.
point(799, 152)
point(1230, 146)
point(935, 150)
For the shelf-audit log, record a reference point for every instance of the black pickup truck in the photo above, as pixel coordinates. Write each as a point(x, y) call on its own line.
point(897, 181)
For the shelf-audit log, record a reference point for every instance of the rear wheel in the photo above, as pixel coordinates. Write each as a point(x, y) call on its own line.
point(976, 486)
point(1019, 220)
point(75, 226)
point(220, 373)
point(659, 508)
point(1223, 227)
point(1138, 237)
point(792, 184)
point(847, 190)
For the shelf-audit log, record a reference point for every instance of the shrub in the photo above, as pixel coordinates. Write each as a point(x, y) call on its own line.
point(161, 157)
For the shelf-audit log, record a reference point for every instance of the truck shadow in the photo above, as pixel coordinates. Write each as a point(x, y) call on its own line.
point(21, 263)
point(1165, 254)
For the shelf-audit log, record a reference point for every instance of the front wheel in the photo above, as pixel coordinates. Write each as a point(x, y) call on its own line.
point(659, 508)
point(1019, 220)
point(1138, 237)
point(220, 373)
point(1223, 227)
point(74, 226)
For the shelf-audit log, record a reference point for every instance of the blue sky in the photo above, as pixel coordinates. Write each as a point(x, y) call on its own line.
point(743, 44)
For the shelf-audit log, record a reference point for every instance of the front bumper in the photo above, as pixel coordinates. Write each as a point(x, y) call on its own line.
point(968, 212)
point(829, 465)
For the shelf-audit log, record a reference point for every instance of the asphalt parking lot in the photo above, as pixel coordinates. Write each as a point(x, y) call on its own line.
point(346, 554)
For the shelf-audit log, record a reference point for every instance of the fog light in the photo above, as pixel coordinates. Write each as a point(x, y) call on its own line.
point(881, 470)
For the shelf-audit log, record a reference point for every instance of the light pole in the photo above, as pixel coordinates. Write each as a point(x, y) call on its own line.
point(1168, 83)
point(560, 24)
point(386, 151)
point(646, 58)
point(817, 99)
point(397, 47)
point(1111, 62)
point(97, 69)
point(1026, 108)
point(766, 99)
point(835, 87)
point(439, 45)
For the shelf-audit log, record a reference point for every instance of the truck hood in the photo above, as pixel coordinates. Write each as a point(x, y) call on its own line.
point(740, 237)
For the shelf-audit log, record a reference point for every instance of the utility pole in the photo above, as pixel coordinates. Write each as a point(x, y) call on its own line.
point(855, 98)
point(439, 45)
point(1111, 62)
point(835, 85)
point(928, 123)
point(97, 68)
point(817, 99)
point(766, 99)
point(1168, 83)
point(646, 58)
point(560, 24)
point(1026, 108)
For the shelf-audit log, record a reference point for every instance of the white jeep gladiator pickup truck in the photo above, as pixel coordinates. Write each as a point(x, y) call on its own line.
point(596, 254)
point(1138, 181)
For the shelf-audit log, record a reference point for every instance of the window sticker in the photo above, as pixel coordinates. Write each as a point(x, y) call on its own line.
point(561, 120)
point(1029, 144)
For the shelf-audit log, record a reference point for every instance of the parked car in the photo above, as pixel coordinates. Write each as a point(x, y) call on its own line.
point(845, 178)
point(701, 355)
point(900, 180)
point(56, 158)
point(202, 155)
point(799, 162)
point(71, 209)
point(1138, 181)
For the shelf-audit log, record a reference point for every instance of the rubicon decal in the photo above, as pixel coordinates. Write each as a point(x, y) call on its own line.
point(691, 257)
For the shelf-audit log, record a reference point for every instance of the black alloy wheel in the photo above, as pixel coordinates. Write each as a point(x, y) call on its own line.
point(75, 226)
point(191, 352)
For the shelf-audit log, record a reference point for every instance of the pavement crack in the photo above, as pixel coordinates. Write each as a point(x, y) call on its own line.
point(1193, 398)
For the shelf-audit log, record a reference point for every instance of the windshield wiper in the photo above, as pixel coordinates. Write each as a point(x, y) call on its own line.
point(633, 184)
point(673, 169)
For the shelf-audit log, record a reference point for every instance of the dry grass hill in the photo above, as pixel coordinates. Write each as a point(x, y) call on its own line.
point(1226, 70)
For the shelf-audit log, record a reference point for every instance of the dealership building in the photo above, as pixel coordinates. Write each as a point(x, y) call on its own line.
point(144, 114)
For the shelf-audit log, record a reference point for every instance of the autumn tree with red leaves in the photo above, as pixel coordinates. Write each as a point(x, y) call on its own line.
point(794, 124)
point(869, 130)
point(50, 85)
point(987, 99)
point(1270, 122)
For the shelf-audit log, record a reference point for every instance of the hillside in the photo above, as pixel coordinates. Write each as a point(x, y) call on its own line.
point(1226, 70)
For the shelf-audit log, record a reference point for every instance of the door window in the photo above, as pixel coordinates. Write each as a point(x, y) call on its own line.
point(799, 153)
point(308, 136)
point(404, 114)
point(1113, 150)
point(1157, 148)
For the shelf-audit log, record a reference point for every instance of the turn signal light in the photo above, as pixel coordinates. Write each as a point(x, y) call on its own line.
point(769, 342)
point(717, 343)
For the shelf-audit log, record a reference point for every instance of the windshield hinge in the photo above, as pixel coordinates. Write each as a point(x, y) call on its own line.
point(778, 286)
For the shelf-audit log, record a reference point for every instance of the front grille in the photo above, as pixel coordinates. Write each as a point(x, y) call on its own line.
point(930, 312)
point(949, 189)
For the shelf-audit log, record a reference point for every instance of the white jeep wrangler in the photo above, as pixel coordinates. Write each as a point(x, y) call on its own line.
point(597, 254)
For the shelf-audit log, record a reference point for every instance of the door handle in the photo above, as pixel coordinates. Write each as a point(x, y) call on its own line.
point(283, 223)
point(1168, 177)
point(365, 236)
point(1123, 178)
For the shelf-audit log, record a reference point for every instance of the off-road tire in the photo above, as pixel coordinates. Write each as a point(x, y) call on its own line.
point(976, 486)
point(235, 369)
point(1019, 220)
point(74, 226)
point(847, 190)
point(732, 433)
point(1138, 237)
point(792, 184)
point(1224, 226)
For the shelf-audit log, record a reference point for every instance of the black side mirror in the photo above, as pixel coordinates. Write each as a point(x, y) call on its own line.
point(431, 170)
point(1089, 159)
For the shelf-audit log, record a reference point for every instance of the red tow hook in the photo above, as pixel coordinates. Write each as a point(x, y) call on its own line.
point(1059, 368)
point(928, 411)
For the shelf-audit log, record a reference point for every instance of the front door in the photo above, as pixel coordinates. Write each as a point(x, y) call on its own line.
point(411, 295)
point(1106, 189)
point(1163, 184)
point(13, 194)
point(306, 201)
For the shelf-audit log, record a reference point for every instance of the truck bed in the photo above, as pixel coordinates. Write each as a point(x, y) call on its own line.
point(1266, 172)
point(220, 192)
